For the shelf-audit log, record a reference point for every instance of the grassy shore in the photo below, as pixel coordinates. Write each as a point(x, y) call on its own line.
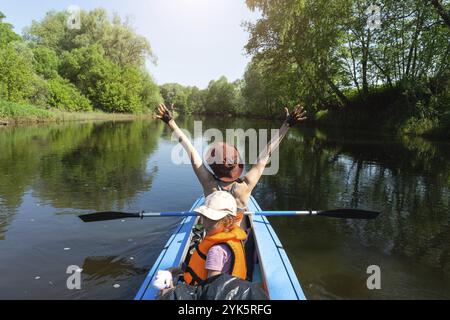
point(16, 113)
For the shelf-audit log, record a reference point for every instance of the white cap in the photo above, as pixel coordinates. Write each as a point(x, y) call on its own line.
point(218, 205)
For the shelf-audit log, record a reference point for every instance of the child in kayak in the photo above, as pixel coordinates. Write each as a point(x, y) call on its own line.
point(220, 251)
point(225, 161)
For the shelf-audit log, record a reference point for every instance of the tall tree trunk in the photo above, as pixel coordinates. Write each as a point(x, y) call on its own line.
point(414, 63)
point(354, 76)
point(441, 11)
point(384, 72)
point(413, 47)
point(402, 74)
point(364, 61)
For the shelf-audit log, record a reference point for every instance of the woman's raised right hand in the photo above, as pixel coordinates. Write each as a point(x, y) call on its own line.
point(164, 113)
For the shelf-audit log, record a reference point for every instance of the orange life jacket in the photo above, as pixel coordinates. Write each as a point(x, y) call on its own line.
point(196, 272)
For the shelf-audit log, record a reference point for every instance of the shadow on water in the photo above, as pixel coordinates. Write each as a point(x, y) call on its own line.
point(96, 268)
point(98, 273)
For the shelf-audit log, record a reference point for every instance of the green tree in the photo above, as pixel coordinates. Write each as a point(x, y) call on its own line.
point(221, 96)
point(109, 87)
point(118, 39)
point(51, 32)
point(104, 60)
point(196, 100)
point(16, 69)
point(150, 94)
point(266, 88)
point(304, 34)
point(325, 54)
point(16, 72)
point(174, 93)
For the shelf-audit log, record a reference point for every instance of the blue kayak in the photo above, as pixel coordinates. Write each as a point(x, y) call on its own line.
point(272, 268)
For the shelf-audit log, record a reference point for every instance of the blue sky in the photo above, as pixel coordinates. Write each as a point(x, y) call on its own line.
point(195, 41)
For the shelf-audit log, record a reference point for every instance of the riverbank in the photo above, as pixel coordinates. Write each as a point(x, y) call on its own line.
point(357, 118)
point(396, 121)
point(380, 123)
point(16, 113)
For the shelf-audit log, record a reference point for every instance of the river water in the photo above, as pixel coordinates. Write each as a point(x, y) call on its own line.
point(49, 174)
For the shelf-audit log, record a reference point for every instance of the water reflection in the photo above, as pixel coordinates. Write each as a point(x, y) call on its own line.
point(102, 171)
point(52, 173)
point(94, 166)
point(407, 181)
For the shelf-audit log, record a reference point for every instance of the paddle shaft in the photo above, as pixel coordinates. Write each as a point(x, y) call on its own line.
point(257, 213)
point(336, 213)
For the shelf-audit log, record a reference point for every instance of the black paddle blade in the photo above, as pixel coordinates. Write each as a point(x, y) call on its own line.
point(350, 214)
point(108, 215)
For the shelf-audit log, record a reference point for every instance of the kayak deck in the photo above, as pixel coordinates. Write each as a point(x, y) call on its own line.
point(272, 269)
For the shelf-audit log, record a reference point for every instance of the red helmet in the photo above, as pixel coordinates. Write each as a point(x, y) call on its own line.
point(225, 161)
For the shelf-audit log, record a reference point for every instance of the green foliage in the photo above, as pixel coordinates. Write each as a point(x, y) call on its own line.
point(63, 95)
point(16, 72)
point(51, 32)
point(118, 91)
point(299, 40)
point(12, 110)
point(187, 100)
point(117, 38)
point(221, 97)
point(174, 93)
point(419, 126)
point(196, 100)
point(39, 94)
point(321, 114)
point(254, 91)
point(46, 62)
point(109, 87)
point(150, 94)
point(265, 91)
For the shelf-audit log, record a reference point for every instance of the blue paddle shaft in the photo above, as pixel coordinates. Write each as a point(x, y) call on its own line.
point(261, 213)
point(336, 213)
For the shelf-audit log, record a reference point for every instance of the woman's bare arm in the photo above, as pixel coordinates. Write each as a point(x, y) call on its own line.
point(253, 176)
point(203, 175)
